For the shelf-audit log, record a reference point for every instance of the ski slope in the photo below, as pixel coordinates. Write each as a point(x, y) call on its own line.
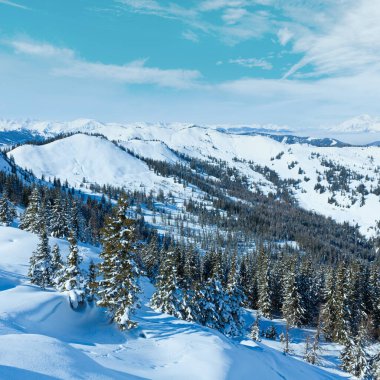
point(41, 337)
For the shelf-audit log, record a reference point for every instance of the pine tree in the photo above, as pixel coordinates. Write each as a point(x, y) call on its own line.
point(118, 288)
point(58, 219)
point(56, 262)
point(264, 296)
point(168, 297)
point(40, 270)
point(71, 279)
point(31, 219)
point(91, 283)
point(360, 365)
point(329, 307)
point(150, 257)
point(292, 306)
point(342, 325)
point(285, 340)
point(255, 330)
point(235, 298)
point(7, 211)
point(312, 353)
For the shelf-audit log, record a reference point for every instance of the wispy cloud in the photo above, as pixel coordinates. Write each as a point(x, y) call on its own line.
point(64, 62)
point(190, 35)
point(349, 45)
point(238, 22)
point(284, 36)
point(252, 63)
point(13, 4)
point(40, 49)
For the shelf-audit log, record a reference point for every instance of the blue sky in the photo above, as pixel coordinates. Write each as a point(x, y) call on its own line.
point(296, 62)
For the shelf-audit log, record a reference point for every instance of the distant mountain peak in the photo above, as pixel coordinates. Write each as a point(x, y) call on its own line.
point(359, 124)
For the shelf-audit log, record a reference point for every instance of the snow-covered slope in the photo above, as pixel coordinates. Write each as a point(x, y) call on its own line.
point(79, 157)
point(316, 173)
point(360, 124)
point(43, 338)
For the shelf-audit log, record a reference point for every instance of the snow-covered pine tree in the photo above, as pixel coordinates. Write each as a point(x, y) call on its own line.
point(235, 298)
point(360, 366)
point(91, 283)
point(150, 257)
point(40, 270)
point(168, 297)
point(31, 219)
point(292, 306)
point(285, 340)
point(348, 352)
point(118, 288)
point(374, 299)
point(56, 261)
point(329, 307)
point(342, 311)
point(264, 297)
point(7, 211)
point(247, 281)
point(58, 219)
point(312, 353)
point(255, 330)
point(71, 279)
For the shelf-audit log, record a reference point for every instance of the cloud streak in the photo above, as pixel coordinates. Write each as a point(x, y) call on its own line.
point(13, 4)
point(64, 62)
point(252, 63)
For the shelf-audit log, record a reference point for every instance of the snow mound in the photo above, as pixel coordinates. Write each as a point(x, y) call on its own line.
point(79, 157)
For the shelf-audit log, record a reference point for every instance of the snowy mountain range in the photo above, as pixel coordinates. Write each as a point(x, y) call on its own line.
point(323, 176)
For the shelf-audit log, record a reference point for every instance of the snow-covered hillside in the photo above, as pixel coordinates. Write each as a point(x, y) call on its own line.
point(43, 338)
point(342, 183)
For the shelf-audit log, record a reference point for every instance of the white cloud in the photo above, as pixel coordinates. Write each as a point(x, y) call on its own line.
point(13, 4)
point(190, 35)
point(40, 49)
point(64, 62)
point(252, 63)
point(213, 5)
point(349, 45)
point(284, 36)
point(233, 15)
point(239, 24)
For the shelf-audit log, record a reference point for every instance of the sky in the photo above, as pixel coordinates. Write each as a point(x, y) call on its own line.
point(300, 63)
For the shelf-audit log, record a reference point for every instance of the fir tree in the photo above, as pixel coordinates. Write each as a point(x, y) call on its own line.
point(91, 283)
point(255, 330)
point(312, 352)
point(7, 211)
point(150, 256)
point(58, 219)
point(56, 262)
point(285, 340)
point(360, 365)
point(264, 296)
point(342, 325)
point(40, 270)
point(71, 279)
point(271, 332)
point(292, 306)
point(118, 289)
point(329, 307)
point(168, 297)
point(31, 219)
